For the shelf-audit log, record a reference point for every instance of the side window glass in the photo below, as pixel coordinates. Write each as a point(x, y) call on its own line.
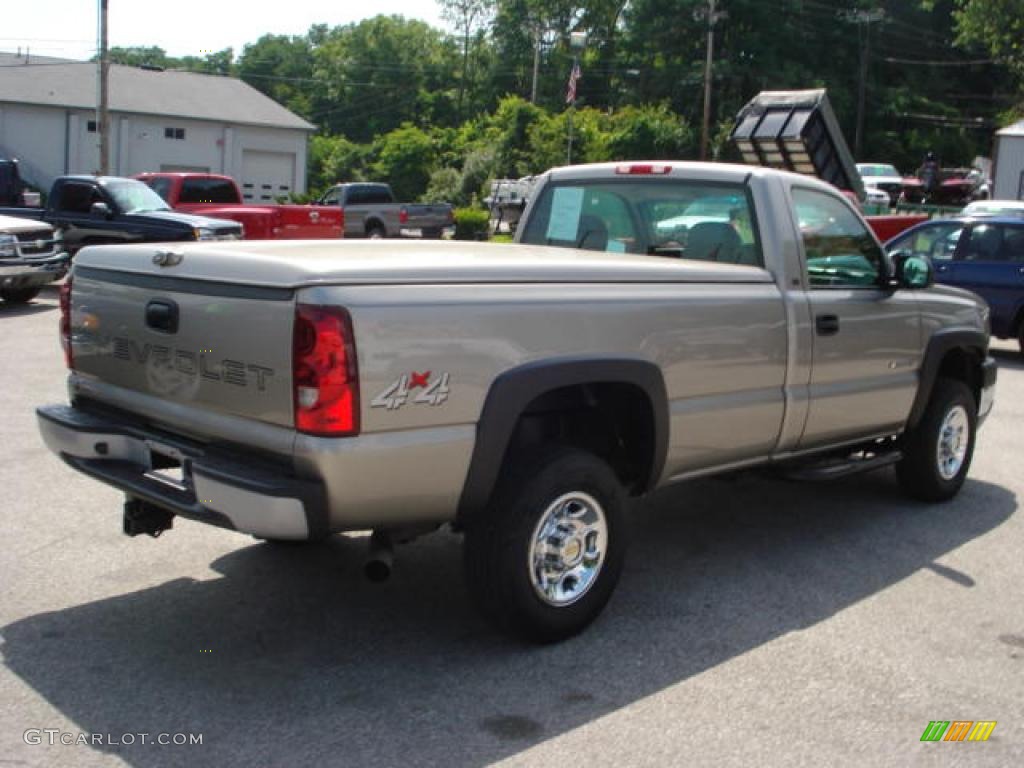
point(935, 241)
point(839, 250)
point(161, 186)
point(75, 198)
point(984, 243)
point(331, 198)
point(1013, 245)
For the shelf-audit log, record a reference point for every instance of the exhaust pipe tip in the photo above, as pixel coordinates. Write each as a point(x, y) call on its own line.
point(380, 558)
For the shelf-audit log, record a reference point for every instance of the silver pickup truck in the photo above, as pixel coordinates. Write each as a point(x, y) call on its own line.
point(656, 322)
point(371, 211)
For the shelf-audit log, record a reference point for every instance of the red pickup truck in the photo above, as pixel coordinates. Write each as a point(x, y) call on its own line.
point(215, 195)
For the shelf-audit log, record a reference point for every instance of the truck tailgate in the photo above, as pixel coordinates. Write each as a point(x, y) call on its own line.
point(428, 216)
point(206, 345)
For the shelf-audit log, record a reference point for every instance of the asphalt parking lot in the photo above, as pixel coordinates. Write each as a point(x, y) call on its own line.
point(759, 622)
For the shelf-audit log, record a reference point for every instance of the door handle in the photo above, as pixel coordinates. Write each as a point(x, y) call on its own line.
point(944, 268)
point(827, 325)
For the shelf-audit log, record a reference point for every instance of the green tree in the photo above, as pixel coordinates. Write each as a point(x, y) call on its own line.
point(335, 159)
point(445, 186)
point(382, 72)
point(651, 132)
point(282, 68)
point(141, 56)
point(405, 159)
point(468, 17)
point(997, 25)
point(217, 63)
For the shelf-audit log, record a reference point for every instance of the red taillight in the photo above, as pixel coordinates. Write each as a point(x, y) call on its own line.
point(65, 322)
point(643, 169)
point(403, 216)
point(324, 376)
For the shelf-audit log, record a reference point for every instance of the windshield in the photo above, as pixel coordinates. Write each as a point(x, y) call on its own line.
point(877, 170)
point(134, 197)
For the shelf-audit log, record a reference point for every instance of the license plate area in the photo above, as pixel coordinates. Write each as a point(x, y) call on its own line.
point(169, 466)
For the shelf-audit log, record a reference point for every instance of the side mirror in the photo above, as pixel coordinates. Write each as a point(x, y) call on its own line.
point(910, 271)
point(99, 210)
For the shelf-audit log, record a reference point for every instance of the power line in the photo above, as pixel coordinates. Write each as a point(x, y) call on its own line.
point(942, 63)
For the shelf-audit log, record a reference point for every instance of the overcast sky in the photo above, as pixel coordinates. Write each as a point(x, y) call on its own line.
point(67, 28)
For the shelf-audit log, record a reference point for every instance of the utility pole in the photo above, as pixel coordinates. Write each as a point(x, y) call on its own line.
point(712, 16)
point(863, 20)
point(103, 108)
point(536, 62)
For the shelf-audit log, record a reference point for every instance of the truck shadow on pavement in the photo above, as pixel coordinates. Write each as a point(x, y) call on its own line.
point(291, 658)
point(22, 310)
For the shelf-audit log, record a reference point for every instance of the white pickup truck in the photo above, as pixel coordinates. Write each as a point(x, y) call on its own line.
point(31, 255)
point(655, 322)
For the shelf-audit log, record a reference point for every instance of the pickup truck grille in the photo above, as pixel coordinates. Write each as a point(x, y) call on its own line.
point(38, 243)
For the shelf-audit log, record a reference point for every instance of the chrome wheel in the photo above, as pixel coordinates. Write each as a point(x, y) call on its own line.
point(954, 439)
point(567, 549)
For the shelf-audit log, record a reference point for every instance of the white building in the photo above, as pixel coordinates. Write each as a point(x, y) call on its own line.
point(159, 121)
point(1008, 181)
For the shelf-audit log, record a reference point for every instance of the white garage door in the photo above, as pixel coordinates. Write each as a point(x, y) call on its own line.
point(267, 175)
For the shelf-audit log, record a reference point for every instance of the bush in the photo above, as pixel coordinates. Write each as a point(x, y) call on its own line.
point(445, 187)
point(471, 224)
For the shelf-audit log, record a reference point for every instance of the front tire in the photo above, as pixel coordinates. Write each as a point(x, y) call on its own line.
point(937, 453)
point(543, 559)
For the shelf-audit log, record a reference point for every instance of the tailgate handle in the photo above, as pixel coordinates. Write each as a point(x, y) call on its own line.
point(162, 315)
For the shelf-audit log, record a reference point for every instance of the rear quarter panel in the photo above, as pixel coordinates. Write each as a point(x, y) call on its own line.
point(722, 350)
point(309, 222)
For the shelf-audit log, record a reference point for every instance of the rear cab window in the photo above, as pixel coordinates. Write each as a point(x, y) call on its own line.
point(206, 191)
point(673, 218)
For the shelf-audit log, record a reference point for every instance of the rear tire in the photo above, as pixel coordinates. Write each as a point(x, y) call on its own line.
point(543, 559)
point(19, 295)
point(1020, 338)
point(937, 452)
point(375, 232)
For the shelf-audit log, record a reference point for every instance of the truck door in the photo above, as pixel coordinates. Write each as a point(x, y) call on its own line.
point(70, 208)
point(866, 339)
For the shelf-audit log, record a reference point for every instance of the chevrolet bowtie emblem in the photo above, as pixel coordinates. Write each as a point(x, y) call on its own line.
point(167, 258)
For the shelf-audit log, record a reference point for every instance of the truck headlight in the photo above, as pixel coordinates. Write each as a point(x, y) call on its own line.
point(8, 245)
point(202, 233)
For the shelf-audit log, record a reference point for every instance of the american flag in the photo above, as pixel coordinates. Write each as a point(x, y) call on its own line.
point(570, 95)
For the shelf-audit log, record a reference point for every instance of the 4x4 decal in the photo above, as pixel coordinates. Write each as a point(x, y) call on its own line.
point(399, 392)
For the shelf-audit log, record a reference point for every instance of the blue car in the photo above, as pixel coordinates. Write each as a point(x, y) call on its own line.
point(981, 254)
